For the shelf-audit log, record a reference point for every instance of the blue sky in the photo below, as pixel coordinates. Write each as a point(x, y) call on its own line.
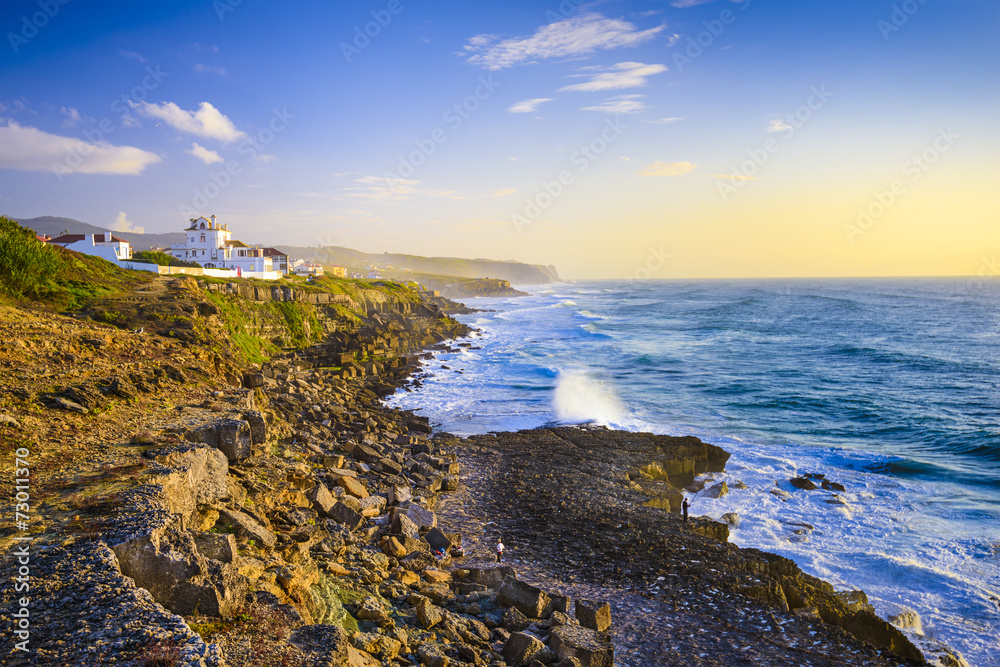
point(612, 139)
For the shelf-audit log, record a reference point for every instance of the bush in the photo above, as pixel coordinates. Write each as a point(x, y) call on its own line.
point(161, 259)
point(26, 264)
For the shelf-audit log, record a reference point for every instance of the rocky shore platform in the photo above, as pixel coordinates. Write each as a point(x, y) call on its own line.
point(190, 509)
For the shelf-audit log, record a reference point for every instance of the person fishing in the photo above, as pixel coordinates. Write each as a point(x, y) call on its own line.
point(684, 509)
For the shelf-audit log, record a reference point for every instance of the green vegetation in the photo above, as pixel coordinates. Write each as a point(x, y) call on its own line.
point(34, 271)
point(27, 265)
point(162, 259)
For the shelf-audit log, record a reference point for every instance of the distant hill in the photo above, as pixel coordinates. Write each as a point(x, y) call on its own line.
point(54, 226)
point(514, 272)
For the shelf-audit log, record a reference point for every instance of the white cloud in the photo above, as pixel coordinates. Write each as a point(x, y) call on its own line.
point(72, 116)
point(123, 224)
point(386, 189)
point(778, 125)
point(134, 55)
point(664, 121)
point(206, 69)
point(207, 121)
point(620, 104)
point(31, 149)
point(667, 169)
point(570, 38)
point(504, 192)
point(205, 155)
point(527, 106)
point(673, 39)
point(616, 77)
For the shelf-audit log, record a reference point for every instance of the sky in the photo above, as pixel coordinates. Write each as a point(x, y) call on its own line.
point(612, 139)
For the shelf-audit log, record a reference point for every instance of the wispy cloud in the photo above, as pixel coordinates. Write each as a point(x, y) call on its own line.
point(207, 69)
point(570, 38)
point(207, 121)
point(616, 77)
point(134, 55)
point(123, 224)
point(663, 121)
point(72, 116)
point(503, 193)
point(528, 106)
point(684, 4)
point(31, 149)
point(778, 125)
point(667, 169)
point(204, 154)
point(620, 104)
point(389, 190)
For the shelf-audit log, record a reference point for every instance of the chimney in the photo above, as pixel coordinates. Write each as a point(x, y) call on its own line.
point(213, 222)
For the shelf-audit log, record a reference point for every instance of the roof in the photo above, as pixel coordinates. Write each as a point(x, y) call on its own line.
point(236, 244)
point(273, 252)
point(66, 239)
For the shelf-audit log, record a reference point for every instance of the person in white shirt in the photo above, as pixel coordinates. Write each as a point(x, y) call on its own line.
point(499, 550)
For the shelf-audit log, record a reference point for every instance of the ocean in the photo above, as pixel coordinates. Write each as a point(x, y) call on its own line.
point(890, 387)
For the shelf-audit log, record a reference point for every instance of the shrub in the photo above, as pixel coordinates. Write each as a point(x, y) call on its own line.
point(26, 264)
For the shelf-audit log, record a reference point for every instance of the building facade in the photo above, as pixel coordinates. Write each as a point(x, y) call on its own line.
point(211, 244)
point(106, 245)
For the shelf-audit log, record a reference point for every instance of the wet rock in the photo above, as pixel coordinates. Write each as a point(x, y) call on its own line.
point(803, 483)
point(717, 491)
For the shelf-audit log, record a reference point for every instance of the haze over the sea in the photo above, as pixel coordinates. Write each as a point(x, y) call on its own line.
point(680, 139)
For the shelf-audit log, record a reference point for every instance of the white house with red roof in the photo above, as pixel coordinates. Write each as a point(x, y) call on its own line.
point(107, 245)
point(211, 244)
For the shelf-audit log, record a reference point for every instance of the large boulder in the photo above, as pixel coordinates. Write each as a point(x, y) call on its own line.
point(594, 615)
point(246, 527)
point(588, 646)
point(520, 648)
point(527, 599)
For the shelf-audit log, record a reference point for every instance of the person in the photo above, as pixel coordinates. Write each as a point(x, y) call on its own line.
point(684, 509)
point(499, 550)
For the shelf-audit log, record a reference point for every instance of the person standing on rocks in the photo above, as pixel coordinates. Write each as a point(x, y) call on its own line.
point(499, 550)
point(684, 509)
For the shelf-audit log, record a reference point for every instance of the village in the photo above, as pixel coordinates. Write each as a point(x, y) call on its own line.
point(209, 249)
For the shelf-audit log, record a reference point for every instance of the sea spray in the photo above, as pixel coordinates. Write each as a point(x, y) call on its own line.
point(581, 398)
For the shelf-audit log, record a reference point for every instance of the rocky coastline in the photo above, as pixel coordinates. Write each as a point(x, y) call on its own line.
point(193, 509)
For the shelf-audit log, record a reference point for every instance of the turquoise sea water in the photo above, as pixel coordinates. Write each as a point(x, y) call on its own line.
point(890, 387)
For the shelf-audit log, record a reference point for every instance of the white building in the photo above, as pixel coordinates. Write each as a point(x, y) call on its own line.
point(211, 244)
point(107, 245)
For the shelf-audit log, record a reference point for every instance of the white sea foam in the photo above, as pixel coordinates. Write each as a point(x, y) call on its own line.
point(581, 398)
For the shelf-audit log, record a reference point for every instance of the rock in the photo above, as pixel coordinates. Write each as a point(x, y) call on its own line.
point(732, 519)
point(343, 514)
point(717, 491)
point(437, 576)
point(217, 546)
point(404, 526)
point(432, 654)
point(428, 615)
point(584, 644)
point(399, 493)
point(247, 527)
point(321, 498)
point(868, 627)
point(560, 618)
point(7, 420)
point(593, 615)
point(199, 475)
point(514, 620)
point(67, 404)
point(520, 648)
point(258, 426)
point(709, 528)
point(352, 486)
point(327, 645)
point(833, 486)
point(380, 646)
point(491, 575)
point(437, 539)
point(529, 600)
point(371, 609)
point(908, 620)
point(423, 517)
point(781, 494)
point(803, 483)
point(561, 603)
point(392, 547)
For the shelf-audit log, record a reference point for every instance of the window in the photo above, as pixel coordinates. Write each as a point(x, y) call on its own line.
point(202, 253)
